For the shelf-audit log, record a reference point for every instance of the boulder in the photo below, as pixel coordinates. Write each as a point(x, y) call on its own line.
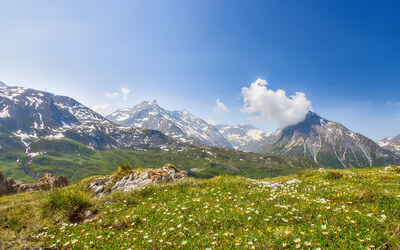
point(136, 180)
point(48, 182)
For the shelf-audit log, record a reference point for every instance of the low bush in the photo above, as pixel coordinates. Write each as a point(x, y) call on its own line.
point(66, 204)
point(333, 175)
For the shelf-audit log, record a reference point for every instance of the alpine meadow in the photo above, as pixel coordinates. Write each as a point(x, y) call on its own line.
point(199, 124)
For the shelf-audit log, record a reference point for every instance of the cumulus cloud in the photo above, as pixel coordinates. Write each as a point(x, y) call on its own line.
point(124, 93)
point(102, 109)
point(112, 95)
point(275, 105)
point(220, 107)
point(211, 122)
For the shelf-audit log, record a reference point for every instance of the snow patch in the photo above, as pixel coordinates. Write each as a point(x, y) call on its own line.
point(4, 113)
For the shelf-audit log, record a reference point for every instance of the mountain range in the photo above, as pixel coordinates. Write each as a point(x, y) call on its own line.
point(329, 143)
point(42, 132)
point(318, 139)
point(180, 125)
point(45, 133)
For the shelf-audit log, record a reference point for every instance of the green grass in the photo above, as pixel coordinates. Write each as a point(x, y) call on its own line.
point(77, 161)
point(341, 209)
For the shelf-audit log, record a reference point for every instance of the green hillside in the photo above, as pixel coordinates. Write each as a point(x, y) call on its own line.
point(76, 161)
point(342, 209)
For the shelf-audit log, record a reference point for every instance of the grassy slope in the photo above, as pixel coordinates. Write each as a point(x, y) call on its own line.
point(77, 162)
point(343, 209)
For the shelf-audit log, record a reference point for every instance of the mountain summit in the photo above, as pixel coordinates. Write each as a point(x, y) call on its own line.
point(392, 143)
point(246, 137)
point(329, 143)
point(2, 85)
point(181, 125)
point(28, 116)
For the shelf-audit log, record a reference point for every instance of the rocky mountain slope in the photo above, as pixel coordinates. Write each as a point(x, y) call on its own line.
point(29, 115)
point(391, 143)
point(180, 125)
point(246, 137)
point(329, 143)
point(44, 133)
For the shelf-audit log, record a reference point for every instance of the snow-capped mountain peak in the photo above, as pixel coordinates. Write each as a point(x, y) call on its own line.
point(32, 115)
point(246, 137)
point(181, 125)
point(3, 85)
point(329, 143)
point(391, 143)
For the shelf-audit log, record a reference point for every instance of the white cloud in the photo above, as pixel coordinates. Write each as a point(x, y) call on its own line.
point(102, 109)
point(211, 122)
point(112, 95)
point(124, 93)
point(220, 107)
point(275, 105)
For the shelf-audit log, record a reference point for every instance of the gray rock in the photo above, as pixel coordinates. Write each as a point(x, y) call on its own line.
point(48, 182)
point(137, 180)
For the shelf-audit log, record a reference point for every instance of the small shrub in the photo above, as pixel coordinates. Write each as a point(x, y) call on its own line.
point(125, 167)
point(333, 175)
point(123, 170)
point(305, 173)
point(370, 195)
point(66, 204)
point(172, 166)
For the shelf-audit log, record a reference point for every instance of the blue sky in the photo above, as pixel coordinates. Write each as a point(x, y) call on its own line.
point(343, 55)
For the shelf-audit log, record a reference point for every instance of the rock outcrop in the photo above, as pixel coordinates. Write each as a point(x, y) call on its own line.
point(48, 182)
point(136, 180)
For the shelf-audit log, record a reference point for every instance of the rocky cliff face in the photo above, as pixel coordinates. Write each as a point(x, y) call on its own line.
point(48, 182)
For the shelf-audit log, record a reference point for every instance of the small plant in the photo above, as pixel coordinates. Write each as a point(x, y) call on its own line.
point(172, 166)
point(123, 170)
point(66, 204)
point(333, 175)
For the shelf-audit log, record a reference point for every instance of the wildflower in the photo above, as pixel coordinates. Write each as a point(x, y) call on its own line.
point(297, 240)
point(184, 242)
point(323, 226)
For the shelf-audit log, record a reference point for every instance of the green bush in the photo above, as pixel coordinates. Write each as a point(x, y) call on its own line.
point(123, 170)
point(66, 204)
point(333, 175)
